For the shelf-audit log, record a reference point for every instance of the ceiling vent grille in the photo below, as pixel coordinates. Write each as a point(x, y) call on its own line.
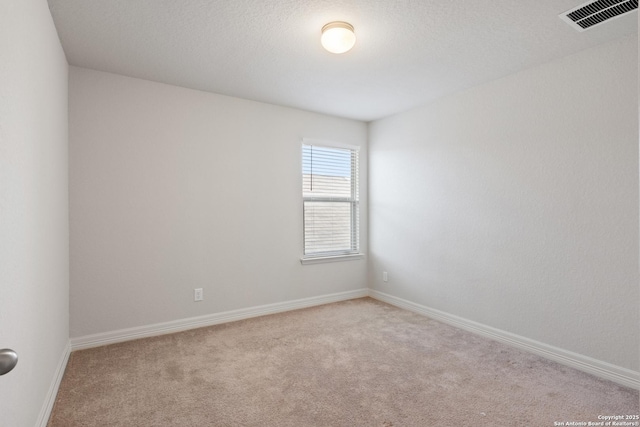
point(594, 13)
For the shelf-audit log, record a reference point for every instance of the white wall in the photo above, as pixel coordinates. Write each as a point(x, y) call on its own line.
point(515, 204)
point(173, 189)
point(34, 232)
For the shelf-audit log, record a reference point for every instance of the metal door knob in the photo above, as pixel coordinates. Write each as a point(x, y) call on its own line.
point(8, 360)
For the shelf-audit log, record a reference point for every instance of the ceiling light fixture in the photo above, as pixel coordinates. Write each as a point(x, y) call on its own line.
point(338, 37)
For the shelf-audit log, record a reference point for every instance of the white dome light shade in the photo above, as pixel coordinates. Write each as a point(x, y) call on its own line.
point(338, 37)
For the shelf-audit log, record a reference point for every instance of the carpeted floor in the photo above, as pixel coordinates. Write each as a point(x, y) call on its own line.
point(354, 363)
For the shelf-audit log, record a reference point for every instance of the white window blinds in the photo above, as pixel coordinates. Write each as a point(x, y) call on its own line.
point(330, 200)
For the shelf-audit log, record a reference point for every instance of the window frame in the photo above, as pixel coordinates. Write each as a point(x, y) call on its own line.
point(353, 200)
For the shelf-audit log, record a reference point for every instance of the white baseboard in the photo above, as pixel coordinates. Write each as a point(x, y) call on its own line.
point(592, 366)
point(129, 334)
point(47, 407)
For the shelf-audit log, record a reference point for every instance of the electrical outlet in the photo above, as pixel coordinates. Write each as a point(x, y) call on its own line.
point(385, 277)
point(198, 295)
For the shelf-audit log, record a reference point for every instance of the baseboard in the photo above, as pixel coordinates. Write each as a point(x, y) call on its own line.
point(587, 364)
point(129, 334)
point(592, 366)
point(47, 407)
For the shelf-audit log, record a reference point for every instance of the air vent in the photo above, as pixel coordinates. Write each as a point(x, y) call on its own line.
point(594, 13)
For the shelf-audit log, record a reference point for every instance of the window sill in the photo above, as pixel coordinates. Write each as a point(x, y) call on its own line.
point(323, 259)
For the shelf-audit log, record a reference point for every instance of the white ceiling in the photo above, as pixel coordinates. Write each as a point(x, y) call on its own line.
point(408, 53)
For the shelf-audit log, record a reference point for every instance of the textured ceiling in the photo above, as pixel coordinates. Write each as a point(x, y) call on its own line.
point(408, 53)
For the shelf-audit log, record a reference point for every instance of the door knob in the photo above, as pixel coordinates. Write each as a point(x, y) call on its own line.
point(8, 360)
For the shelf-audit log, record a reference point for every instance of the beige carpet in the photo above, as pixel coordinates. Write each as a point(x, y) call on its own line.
point(355, 363)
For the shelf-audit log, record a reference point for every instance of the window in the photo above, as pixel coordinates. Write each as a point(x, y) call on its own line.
point(330, 200)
